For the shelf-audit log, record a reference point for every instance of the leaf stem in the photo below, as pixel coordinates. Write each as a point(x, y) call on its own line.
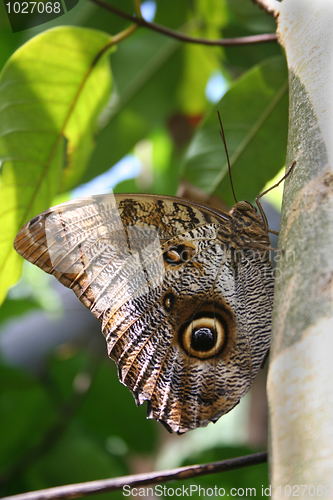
point(245, 40)
point(137, 7)
point(123, 34)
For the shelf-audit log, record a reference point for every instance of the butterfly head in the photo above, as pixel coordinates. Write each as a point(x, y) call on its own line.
point(250, 229)
point(245, 206)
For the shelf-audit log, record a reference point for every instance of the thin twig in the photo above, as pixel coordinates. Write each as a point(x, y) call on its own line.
point(245, 40)
point(105, 485)
point(270, 6)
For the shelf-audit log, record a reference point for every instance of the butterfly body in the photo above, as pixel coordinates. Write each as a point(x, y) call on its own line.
point(184, 293)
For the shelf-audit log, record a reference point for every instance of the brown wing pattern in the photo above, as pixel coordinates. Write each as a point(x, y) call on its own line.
point(184, 299)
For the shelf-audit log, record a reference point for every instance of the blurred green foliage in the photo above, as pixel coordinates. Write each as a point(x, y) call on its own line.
point(72, 421)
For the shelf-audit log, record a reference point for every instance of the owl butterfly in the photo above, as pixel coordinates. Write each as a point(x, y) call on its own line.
point(183, 291)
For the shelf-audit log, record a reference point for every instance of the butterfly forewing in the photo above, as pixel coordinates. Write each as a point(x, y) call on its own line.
point(184, 294)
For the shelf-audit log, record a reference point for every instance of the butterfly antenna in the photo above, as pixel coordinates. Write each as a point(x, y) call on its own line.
point(290, 169)
point(226, 152)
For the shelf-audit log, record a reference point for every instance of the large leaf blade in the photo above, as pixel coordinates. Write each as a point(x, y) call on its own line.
point(51, 92)
point(255, 119)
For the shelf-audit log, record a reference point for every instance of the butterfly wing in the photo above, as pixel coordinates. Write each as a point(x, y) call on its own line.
point(172, 296)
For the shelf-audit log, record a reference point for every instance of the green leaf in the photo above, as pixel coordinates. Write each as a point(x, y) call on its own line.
point(26, 412)
point(127, 186)
point(109, 410)
point(65, 364)
point(13, 308)
point(200, 61)
point(191, 93)
point(52, 90)
point(146, 69)
point(249, 16)
point(246, 19)
point(213, 15)
point(75, 457)
point(254, 114)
